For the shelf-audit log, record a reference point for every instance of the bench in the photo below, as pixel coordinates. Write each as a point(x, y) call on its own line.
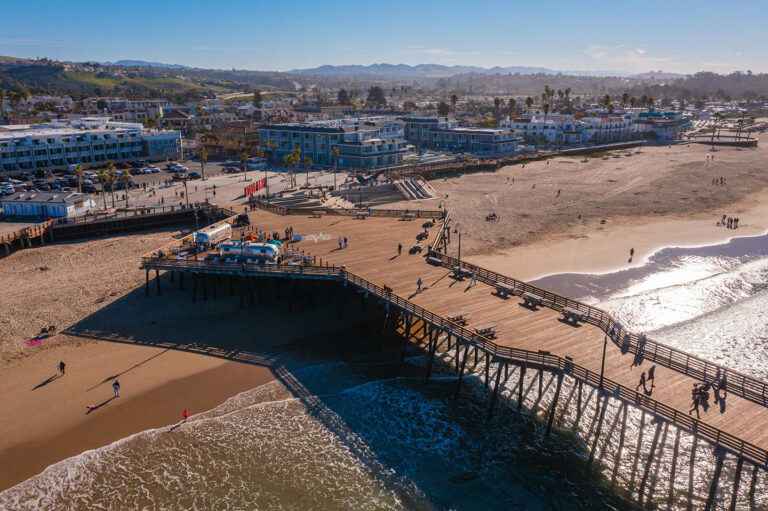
point(530, 300)
point(408, 217)
point(572, 315)
point(435, 261)
point(486, 330)
point(503, 289)
point(458, 272)
point(416, 249)
point(459, 318)
point(360, 216)
point(318, 214)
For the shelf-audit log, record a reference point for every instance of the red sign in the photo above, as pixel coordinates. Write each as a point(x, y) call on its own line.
point(255, 187)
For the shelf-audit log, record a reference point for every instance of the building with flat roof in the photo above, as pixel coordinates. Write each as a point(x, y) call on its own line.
point(47, 204)
point(363, 142)
point(442, 133)
point(566, 130)
point(664, 125)
point(88, 141)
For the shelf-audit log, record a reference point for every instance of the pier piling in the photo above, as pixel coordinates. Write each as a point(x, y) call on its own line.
point(736, 481)
point(520, 388)
point(620, 448)
point(691, 466)
point(720, 455)
point(146, 285)
point(637, 452)
point(598, 430)
point(553, 407)
point(495, 393)
point(649, 461)
point(157, 278)
point(671, 492)
point(461, 369)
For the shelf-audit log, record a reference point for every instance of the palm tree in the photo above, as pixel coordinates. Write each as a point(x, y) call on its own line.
point(651, 101)
point(714, 128)
point(751, 125)
point(307, 166)
point(497, 104)
point(203, 159)
point(546, 109)
point(102, 175)
point(125, 177)
point(529, 102)
point(111, 179)
point(624, 99)
point(512, 103)
point(560, 95)
point(632, 102)
point(335, 155)
point(79, 175)
point(454, 100)
point(244, 158)
point(741, 124)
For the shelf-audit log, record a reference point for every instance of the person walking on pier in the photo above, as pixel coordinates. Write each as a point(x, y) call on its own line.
point(473, 282)
point(642, 382)
point(419, 283)
point(652, 375)
point(695, 406)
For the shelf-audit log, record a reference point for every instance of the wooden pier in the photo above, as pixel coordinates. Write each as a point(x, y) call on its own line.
point(24, 236)
point(536, 330)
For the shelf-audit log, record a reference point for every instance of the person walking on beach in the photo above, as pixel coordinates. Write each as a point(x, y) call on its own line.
point(419, 283)
point(346, 242)
point(186, 415)
point(341, 242)
point(642, 382)
point(62, 366)
point(116, 387)
point(631, 252)
point(399, 248)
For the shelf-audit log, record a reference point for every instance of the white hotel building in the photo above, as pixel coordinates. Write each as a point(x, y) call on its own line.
point(442, 133)
point(90, 141)
point(563, 129)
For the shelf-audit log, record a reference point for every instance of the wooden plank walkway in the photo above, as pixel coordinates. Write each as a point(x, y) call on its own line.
point(372, 254)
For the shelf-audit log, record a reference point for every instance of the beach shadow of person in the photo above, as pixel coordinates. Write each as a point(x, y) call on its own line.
point(629, 260)
point(46, 382)
point(393, 258)
point(92, 408)
point(177, 425)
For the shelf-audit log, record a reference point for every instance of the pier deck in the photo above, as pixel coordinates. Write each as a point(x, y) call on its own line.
point(372, 254)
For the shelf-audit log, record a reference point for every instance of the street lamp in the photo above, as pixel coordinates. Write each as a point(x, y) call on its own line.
point(186, 193)
point(456, 230)
point(602, 364)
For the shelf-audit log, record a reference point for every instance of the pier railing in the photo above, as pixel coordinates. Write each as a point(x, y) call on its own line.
point(304, 210)
point(518, 356)
point(737, 383)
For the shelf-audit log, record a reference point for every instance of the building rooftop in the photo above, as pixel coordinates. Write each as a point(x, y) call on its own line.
point(47, 197)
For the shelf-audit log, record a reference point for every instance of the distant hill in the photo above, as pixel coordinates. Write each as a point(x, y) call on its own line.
point(434, 71)
point(144, 63)
point(659, 75)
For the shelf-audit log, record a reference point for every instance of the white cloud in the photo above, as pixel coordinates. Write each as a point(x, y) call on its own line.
point(437, 51)
point(624, 57)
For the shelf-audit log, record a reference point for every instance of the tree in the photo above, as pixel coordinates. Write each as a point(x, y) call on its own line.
point(624, 99)
point(101, 105)
point(203, 159)
point(335, 156)
point(741, 124)
point(632, 101)
point(257, 100)
point(125, 177)
point(343, 97)
point(307, 166)
point(529, 102)
point(111, 179)
point(79, 175)
point(607, 101)
point(409, 106)
point(443, 109)
point(102, 175)
point(244, 158)
point(454, 100)
point(376, 96)
point(512, 103)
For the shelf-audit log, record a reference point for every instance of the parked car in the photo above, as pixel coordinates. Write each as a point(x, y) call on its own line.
point(27, 176)
point(232, 170)
point(88, 188)
point(124, 166)
point(67, 189)
point(44, 187)
point(178, 168)
point(194, 175)
point(177, 176)
point(90, 175)
point(43, 173)
point(135, 171)
point(5, 179)
point(153, 169)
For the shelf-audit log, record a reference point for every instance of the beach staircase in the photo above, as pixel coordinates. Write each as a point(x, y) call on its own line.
point(415, 188)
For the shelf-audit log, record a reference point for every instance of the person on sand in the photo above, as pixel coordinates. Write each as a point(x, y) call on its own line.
point(399, 248)
point(62, 367)
point(346, 242)
point(186, 415)
point(631, 252)
point(341, 242)
point(419, 283)
point(116, 387)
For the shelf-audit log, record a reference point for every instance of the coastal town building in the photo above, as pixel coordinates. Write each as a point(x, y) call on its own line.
point(231, 138)
point(363, 142)
point(664, 125)
point(89, 141)
point(564, 129)
point(46, 204)
point(442, 133)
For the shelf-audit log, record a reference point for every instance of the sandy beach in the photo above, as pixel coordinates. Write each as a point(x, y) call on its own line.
point(168, 358)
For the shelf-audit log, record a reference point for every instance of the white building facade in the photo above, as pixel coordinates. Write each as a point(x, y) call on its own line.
point(89, 141)
point(46, 204)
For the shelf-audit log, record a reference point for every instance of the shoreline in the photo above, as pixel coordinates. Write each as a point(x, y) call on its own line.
point(604, 250)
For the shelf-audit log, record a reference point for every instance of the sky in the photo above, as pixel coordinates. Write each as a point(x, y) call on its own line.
point(621, 35)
